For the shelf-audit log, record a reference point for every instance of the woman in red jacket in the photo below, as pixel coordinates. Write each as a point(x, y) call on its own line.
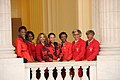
point(65, 47)
point(31, 45)
point(52, 51)
point(78, 46)
point(92, 46)
point(41, 42)
point(21, 46)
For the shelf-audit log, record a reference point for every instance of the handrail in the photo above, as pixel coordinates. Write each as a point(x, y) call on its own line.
point(60, 64)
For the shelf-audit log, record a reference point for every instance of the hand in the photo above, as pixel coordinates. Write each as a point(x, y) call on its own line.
point(65, 61)
point(55, 61)
point(32, 58)
point(58, 59)
point(43, 61)
point(72, 60)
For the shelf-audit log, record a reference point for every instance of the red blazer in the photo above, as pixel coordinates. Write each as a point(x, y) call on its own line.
point(78, 50)
point(22, 49)
point(31, 48)
point(92, 50)
point(39, 52)
point(67, 51)
point(49, 53)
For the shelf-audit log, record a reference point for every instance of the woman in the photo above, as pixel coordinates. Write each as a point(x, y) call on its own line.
point(31, 45)
point(78, 46)
point(21, 46)
point(65, 47)
point(41, 42)
point(52, 52)
point(92, 46)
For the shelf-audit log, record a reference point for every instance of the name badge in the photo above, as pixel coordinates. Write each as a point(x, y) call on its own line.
point(77, 49)
point(64, 47)
point(91, 49)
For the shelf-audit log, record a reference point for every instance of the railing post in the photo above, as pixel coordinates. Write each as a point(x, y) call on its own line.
point(42, 73)
point(34, 73)
point(85, 73)
point(76, 77)
point(59, 73)
point(67, 73)
point(51, 74)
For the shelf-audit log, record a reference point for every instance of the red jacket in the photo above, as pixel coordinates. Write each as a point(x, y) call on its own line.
point(49, 53)
point(39, 52)
point(22, 49)
point(92, 50)
point(31, 48)
point(66, 51)
point(78, 50)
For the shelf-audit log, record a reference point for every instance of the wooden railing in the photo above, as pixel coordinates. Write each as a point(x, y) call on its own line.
point(80, 70)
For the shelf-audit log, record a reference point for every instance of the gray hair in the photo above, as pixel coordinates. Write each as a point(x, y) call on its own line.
point(77, 30)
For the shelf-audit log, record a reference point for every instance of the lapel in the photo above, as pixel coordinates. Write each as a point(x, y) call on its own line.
point(90, 44)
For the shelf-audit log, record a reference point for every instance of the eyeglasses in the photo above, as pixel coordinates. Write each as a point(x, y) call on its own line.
point(76, 34)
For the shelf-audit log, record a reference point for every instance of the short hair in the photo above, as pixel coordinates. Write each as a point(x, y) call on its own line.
point(27, 34)
point(51, 34)
point(22, 27)
point(62, 34)
point(90, 31)
point(76, 30)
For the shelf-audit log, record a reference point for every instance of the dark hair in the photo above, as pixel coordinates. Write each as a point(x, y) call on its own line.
point(51, 34)
point(62, 34)
point(90, 31)
point(27, 34)
point(22, 27)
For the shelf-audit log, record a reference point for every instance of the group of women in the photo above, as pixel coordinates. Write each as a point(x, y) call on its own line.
point(47, 49)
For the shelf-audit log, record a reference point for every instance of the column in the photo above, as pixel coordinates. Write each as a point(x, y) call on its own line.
point(106, 20)
point(6, 48)
point(95, 19)
point(106, 17)
point(109, 25)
